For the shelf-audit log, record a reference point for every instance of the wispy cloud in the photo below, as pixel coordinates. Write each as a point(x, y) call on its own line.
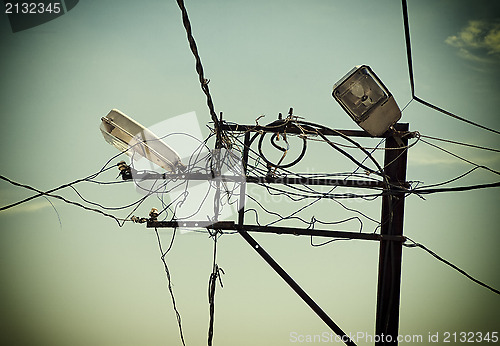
point(432, 156)
point(479, 41)
point(28, 207)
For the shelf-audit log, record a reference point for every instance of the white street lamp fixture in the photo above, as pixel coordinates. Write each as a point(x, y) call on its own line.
point(367, 101)
point(131, 137)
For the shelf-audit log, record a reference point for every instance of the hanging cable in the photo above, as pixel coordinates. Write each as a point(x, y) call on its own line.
point(42, 193)
point(278, 165)
point(46, 193)
point(169, 278)
point(199, 69)
point(408, 47)
point(461, 158)
point(439, 109)
point(461, 143)
point(412, 83)
point(346, 154)
point(461, 271)
point(423, 190)
point(212, 283)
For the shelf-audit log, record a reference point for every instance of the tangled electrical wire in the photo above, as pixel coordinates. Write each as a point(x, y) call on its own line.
point(263, 173)
point(259, 169)
point(175, 193)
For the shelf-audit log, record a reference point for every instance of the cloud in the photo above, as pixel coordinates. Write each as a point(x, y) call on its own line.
point(28, 207)
point(432, 156)
point(478, 41)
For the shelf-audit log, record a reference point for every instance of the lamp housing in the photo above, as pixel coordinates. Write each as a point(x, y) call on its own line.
point(129, 136)
point(367, 101)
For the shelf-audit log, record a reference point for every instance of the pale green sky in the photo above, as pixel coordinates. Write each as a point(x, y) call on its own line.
point(90, 282)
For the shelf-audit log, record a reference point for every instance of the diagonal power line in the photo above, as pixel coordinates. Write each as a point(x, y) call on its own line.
point(412, 79)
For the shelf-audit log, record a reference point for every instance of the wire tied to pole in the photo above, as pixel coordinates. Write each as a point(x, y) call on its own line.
point(413, 244)
point(169, 278)
point(212, 283)
point(201, 75)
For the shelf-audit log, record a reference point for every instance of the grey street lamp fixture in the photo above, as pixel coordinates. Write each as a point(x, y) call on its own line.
point(129, 136)
point(367, 101)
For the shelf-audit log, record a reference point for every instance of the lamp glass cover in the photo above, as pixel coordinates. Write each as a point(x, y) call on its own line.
point(359, 93)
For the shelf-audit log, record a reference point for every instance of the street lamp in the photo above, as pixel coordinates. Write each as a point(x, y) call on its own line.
point(367, 101)
point(129, 136)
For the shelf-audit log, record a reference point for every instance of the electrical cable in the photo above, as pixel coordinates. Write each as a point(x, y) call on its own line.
point(349, 156)
point(169, 278)
point(439, 109)
point(450, 180)
point(408, 47)
point(314, 220)
point(460, 143)
point(212, 283)
point(199, 69)
point(55, 210)
point(421, 191)
point(42, 193)
point(412, 82)
point(461, 158)
point(461, 271)
point(294, 162)
point(349, 139)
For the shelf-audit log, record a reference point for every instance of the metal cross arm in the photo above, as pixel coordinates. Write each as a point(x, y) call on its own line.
point(231, 226)
point(242, 230)
point(355, 183)
point(284, 126)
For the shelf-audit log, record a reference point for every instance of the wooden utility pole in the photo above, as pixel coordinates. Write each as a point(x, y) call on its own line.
point(389, 279)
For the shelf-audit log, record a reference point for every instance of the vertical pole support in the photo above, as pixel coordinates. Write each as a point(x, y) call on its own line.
point(390, 257)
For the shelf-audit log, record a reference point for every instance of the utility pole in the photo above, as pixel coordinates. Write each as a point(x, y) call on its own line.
point(391, 235)
point(389, 279)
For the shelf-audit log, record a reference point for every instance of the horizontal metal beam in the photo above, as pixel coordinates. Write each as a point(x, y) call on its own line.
point(280, 127)
point(291, 129)
point(261, 180)
point(316, 181)
point(230, 225)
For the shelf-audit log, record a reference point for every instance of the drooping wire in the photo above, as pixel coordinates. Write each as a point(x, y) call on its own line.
point(279, 165)
point(355, 217)
point(302, 193)
point(461, 158)
point(55, 210)
point(43, 193)
point(430, 189)
point(314, 221)
point(450, 180)
point(89, 178)
point(461, 271)
point(86, 200)
point(421, 191)
point(460, 143)
point(439, 109)
point(169, 278)
point(412, 81)
point(212, 283)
